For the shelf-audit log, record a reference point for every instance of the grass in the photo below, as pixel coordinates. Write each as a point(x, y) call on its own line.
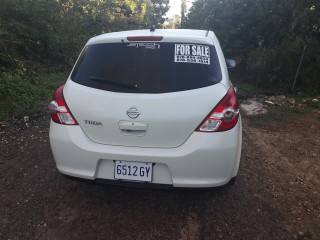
point(246, 90)
point(24, 95)
point(308, 98)
point(275, 115)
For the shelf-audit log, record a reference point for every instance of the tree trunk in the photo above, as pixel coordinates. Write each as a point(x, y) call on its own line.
point(299, 66)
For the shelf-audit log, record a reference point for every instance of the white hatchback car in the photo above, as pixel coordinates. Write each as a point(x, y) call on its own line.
point(148, 106)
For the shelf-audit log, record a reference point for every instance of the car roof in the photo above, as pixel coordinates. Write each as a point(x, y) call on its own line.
point(169, 35)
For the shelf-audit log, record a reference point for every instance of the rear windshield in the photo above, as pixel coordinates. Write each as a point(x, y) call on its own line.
point(147, 67)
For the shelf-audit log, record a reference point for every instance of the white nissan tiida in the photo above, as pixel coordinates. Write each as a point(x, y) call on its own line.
point(154, 107)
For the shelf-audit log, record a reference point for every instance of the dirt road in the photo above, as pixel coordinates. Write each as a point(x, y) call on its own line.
point(276, 195)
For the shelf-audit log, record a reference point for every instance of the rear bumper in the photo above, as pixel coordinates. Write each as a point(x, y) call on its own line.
point(204, 160)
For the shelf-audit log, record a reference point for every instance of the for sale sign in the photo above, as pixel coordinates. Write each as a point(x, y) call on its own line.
point(192, 53)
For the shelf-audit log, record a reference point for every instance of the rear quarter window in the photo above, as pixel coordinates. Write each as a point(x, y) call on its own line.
point(147, 67)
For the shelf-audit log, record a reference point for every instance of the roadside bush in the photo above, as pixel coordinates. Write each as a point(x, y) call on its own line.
point(22, 94)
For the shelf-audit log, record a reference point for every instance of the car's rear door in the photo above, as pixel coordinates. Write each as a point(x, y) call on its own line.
point(145, 94)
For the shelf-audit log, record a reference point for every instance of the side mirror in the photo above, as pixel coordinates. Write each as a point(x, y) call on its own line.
point(231, 63)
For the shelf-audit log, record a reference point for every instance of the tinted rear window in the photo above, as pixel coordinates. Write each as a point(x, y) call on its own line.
point(147, 67)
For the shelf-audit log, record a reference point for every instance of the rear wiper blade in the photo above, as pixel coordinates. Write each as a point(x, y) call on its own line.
point(115, 83)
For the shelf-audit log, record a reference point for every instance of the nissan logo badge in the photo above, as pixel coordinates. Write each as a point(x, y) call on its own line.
point(133, 113)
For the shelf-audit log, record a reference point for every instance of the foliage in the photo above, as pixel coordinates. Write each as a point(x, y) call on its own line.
point(40, 33)
point(246, 90)
point(39, 37)
point(21, 95)
point(183, 12)
point(173, 23)
point(157, 10)
point(266, 37)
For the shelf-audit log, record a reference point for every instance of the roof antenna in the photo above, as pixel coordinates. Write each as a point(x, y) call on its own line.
point(152, 29)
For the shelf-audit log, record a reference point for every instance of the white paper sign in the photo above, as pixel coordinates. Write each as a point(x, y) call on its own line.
point(192, 53)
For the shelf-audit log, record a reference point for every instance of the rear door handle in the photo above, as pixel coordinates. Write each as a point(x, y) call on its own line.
point(130, 128)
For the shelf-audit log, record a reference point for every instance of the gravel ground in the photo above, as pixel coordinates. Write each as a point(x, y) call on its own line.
point(276, 195)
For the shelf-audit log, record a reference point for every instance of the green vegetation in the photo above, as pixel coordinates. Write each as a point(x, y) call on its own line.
point(43, 33)
point(247, 90)
point(39, 39)
point(267, 38)
point(23, 95)
point(275, 115)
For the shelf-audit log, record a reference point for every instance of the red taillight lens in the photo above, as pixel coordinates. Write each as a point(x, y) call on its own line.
point(59, 110)
point(145, 38)
point(224, 116)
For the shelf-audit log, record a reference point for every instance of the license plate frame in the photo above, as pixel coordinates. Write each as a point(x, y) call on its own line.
point(133, 171)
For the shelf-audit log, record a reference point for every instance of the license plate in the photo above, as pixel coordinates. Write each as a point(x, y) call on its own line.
point(134, 171)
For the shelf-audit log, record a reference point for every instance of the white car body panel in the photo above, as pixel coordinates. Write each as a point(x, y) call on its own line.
point(179, 112)
point(204, 160)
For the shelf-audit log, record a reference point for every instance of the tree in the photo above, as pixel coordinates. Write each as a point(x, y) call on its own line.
point(156, 12)
point(38, 33)
point(183, 11)
point(26, 31)
point(174, 22)
point(267, 37)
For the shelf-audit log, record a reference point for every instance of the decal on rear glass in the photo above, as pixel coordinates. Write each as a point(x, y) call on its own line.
point(191, 53)
point(145, 45)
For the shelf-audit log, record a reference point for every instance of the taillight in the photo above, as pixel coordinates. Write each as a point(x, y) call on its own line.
point(145, 38)
point(224, 116)
point(59, 110)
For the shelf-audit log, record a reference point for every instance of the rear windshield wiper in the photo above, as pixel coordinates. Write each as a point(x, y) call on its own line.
point(115, 83)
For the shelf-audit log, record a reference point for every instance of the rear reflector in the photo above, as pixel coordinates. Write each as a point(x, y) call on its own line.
point(224, 116)
point(145, 38)
point(59, 110)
